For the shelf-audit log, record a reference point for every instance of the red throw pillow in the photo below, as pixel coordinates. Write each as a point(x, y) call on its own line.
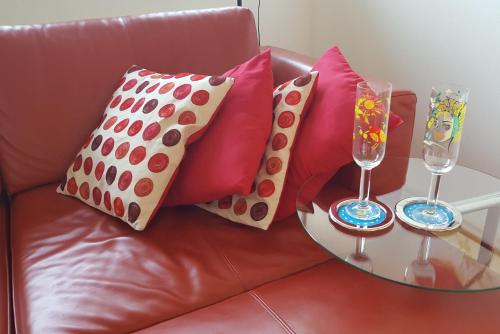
point(292, 100)
point(324, 142)
point(226, 161)
point(129, 161)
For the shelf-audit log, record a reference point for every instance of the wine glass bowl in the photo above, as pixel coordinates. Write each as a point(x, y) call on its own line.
point(371, 118)
point(441, 145)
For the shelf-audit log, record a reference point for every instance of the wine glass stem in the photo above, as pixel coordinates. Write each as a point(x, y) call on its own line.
point(364, 186)
point(432, 198)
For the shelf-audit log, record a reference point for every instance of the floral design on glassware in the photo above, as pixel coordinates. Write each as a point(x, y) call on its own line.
point(369, 108)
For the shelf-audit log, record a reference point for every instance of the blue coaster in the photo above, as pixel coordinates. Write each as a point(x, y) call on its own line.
point(343, 212)
point(414, 212)
point(339, 214)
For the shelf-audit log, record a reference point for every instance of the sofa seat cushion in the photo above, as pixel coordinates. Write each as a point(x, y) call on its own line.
point(336, 298)
point(76, 269)
point(4, 280)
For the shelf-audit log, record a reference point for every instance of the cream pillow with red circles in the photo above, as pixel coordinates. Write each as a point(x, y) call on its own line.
point(129, 161)
point(291, 101)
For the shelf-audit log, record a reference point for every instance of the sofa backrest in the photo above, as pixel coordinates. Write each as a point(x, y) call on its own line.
point(56, 79)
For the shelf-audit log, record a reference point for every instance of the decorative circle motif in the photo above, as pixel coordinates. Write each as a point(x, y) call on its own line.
point(143, 187)
point(107, 147)
point(286, 119)
point(129, 85)
point(134, 210)
point(240, 207)
point(109, 123)
point(265, 188)
point(121, 125)
point(137, 105)
point(225, 203)
point(137, 155)
point(85, 190)
point(96, 142)
point(72, 186)
point(115, 102)
point(279, 141)
point(182, 91)
point(303, 80)
point(197, 77)
point(158, 162)
point(110, 175)
point(216, 80)
point(124, 180)
point(171, 138)
point(87, 165)
point(107, 200)
point(277, 100)
point(118, 206)
point(77, 164)
point(99, 170)
point(273, 165)
point(152, 88)
point(200, 97)
point(141, 87)
point(150, 106)
point(187, 117)
point(122, 150)
point(258, 211)
point(151, 131)
point(96, 195)
point(166, 88)
point(167, 110)
point(293, 98)
point(134, 128)
point(127, 103)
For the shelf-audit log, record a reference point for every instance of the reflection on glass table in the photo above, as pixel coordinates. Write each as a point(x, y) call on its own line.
point(466, 259)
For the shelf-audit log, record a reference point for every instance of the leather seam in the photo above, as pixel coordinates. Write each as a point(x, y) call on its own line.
point(271, 312)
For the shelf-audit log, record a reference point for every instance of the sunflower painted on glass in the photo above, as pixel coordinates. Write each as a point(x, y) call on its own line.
point(369, 109)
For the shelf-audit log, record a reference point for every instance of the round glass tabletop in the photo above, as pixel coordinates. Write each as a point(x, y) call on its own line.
point(465, 259)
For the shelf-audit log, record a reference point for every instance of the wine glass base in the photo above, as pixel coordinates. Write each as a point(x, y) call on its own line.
point(414, 212)
point(340, 214)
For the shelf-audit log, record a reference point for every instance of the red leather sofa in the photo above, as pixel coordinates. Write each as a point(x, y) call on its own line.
point(68, 268)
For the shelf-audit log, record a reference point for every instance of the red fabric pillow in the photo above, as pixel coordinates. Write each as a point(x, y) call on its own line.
point(226, 161)
point(324, 143)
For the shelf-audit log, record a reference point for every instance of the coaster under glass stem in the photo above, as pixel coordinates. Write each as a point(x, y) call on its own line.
point(339, 213)
point(414, 212)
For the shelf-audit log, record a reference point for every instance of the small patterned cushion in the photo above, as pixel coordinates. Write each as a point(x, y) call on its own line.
point(129, 161)
point(291, 101)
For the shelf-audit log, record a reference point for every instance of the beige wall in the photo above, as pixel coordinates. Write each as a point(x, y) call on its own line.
point(416, 44)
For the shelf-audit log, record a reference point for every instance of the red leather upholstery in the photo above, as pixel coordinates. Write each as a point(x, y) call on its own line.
point(76, 269)
point(4, 281)
point(55, 79)
point(335, 298)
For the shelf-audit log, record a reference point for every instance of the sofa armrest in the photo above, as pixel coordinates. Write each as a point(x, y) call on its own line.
point(288, 65)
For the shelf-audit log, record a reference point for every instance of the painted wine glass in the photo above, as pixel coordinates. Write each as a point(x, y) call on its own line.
point(371, 115)
point(443, 133)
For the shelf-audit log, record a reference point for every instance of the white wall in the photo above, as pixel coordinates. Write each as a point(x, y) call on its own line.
point(416, 44)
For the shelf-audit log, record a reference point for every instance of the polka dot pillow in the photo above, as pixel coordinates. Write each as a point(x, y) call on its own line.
point(129, 161)
point(291, 101)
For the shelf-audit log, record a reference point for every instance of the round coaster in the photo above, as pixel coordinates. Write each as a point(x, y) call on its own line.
point(338, 214)
point(407, 211)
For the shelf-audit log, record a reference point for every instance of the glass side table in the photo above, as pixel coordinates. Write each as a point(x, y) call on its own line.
point(466, 259)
